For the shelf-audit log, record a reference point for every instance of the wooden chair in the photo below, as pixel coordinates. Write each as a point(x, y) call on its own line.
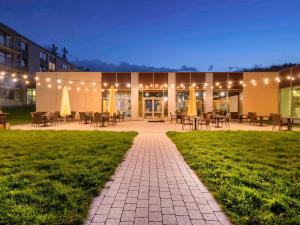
point(205, 121)
point(113, 119)
point(72, 116)
point(97, 119)
point(186, 120)
point(82, 117)
point(53, 118)
point(278, 122)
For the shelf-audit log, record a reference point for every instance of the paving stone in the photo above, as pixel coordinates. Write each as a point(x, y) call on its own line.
point(154, 185)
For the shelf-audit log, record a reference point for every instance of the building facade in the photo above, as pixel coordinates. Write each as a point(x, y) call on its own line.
point(143, 95)
point(21, 57)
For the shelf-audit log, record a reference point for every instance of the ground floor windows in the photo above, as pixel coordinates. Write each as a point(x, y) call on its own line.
point(123, 101)
point(227, 101)
point(290, 101)
point(30, 96)
point(182, 98)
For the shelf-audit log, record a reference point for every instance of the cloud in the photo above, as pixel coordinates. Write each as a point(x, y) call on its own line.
point(98, 65)
point(211, 68)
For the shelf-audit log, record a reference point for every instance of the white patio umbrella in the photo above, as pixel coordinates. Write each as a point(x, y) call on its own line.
point(192, 106)
point(112, 104)
point(65, 108)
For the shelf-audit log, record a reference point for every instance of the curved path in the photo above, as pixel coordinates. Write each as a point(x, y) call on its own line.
point(154, 185)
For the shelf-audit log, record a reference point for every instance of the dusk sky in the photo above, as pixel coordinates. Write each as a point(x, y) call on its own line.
point(170, 33)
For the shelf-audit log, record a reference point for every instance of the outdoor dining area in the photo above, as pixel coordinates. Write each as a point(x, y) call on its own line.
point(65, 115)
point(207, 120)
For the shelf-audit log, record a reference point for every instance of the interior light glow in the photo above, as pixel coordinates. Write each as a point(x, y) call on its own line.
point(49, 85)
point(93, 83)
point(128, 85)
point(14, 80)
point(25, 76)
point(26, 82)
point(82, 83)
point(104, 84)
point(58, 81)
point(70, 82)
point(48, 79)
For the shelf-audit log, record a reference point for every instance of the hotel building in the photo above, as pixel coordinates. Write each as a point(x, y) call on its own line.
point(22, 57)
point(147, 95)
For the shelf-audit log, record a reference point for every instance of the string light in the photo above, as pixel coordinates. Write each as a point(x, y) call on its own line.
point(25, 76)
point(58, 81)
point(15, 80)
point(78, 89)
point(13, 74)
point(86, 89)
point(266, 81)
point(117, 85)
point(26, 82)
point(277, 79)
point(128, 85)
point(36, 78)
point(217, 83)
point(1, 77)
point(104, 84)
point(70, 82)
point(93, 83)
point(82, 83)
point(2, 73)
point(49, 85)
point(59, 87)
point(69, 88)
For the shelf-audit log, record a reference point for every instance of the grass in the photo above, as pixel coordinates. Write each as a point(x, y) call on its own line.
point(50, 177)
point(255, 176)
point(19, 115)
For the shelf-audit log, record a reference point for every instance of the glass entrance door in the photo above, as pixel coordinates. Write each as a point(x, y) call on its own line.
point(153, 108)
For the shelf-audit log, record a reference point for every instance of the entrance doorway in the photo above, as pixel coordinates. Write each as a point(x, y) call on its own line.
point(153, 107)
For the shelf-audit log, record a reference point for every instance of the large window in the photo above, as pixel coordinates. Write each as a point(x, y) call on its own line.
point(30, 96)
point(51, 66)
point(296, 101)
point(285, 101)
point(182, 99)
point(43, 56)
point(2, 38)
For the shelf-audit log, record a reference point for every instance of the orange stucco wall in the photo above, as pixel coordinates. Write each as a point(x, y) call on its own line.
point(262, 99)
point(48, 99)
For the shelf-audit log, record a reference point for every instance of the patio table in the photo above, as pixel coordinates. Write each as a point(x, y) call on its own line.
point(217, 119)
point(262, 119)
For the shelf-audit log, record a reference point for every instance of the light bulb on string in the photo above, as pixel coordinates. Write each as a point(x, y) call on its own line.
point(82, 83)
point(25, 76)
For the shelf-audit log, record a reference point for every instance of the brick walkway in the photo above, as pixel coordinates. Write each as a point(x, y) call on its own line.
point(154, 185)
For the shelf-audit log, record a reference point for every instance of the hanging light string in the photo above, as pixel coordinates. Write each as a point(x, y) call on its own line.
point(27, 80)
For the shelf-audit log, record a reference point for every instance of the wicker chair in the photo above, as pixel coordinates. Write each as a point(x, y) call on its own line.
point(205, 121)
point(186, 120)
point(82, 117)
point(97, 119)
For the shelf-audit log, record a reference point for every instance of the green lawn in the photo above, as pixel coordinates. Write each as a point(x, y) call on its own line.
point(255, 176)
point(50, 177)
point(19, 115)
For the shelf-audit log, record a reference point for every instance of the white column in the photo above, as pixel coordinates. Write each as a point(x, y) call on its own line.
point(209, 92)
point(134, 96)
point(100, 85)
point(171, 93)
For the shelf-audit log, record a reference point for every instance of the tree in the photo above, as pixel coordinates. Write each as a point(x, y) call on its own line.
point(64, 53)
point(53, 49)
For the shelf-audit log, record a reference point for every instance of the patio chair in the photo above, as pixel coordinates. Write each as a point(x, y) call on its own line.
point(205, 121)
point(113, 119)
point(121, 116)
point(82, 117)
point(72, 116)
point(53, 118)
point(105, 119)
point(227, 119)
point(278, 121)
point(97, 119)
point(186, 120)
point(252, 116)
point(39, 118)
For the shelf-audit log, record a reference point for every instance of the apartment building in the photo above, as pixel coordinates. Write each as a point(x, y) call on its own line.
point(22, 58)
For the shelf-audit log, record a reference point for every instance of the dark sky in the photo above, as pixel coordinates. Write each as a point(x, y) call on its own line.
point(169, 33)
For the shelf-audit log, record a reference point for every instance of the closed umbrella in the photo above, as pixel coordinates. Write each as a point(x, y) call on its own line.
point(65, 108)
point(192, 106)
point(112, 104)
